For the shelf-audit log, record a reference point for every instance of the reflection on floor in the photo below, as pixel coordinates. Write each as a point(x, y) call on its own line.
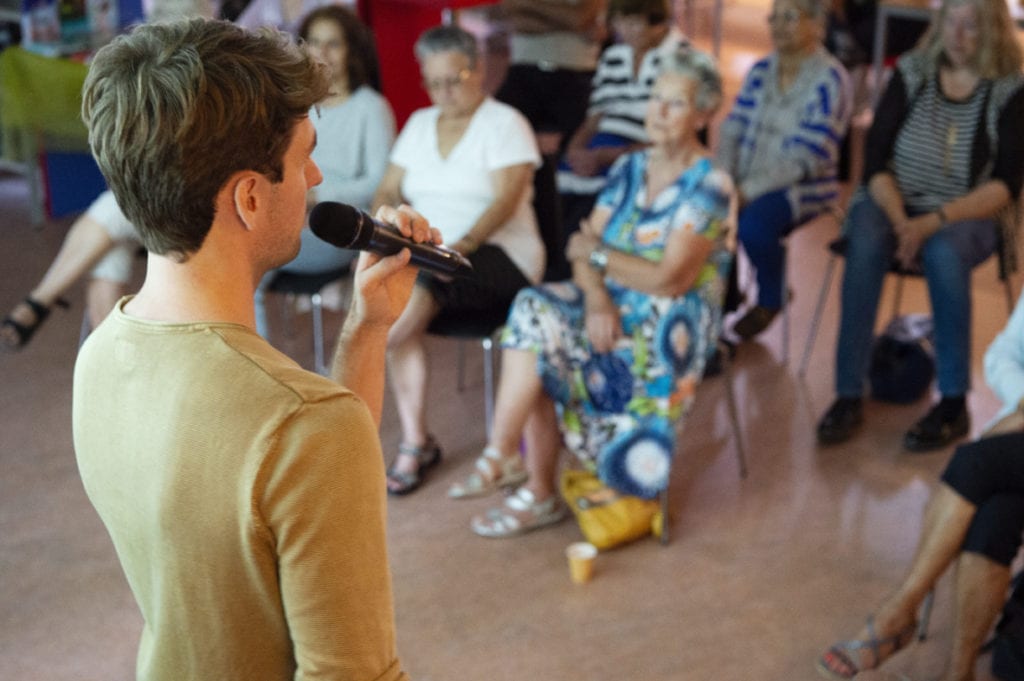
point(760, 576)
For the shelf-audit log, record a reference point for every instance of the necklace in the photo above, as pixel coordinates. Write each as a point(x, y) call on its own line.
point(947, 152)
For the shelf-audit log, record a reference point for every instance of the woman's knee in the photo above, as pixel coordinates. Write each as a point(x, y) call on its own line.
point(868, 232)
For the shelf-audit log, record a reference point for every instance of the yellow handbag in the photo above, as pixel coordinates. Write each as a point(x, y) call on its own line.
point(607, 517)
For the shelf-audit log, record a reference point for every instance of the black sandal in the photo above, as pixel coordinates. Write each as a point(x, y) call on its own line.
point(427, 456)
point(17, 335)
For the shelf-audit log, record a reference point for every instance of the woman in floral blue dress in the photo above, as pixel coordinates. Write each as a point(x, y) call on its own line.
point(606, 363)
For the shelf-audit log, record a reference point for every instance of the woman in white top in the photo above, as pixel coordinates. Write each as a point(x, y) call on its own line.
point(355, 129)
point(466, 164)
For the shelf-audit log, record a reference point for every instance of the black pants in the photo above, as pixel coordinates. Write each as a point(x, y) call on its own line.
point(989, 473)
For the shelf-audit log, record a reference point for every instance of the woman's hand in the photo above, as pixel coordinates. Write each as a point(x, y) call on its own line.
point(911, 234)
point(602, 322)
point(581, 245)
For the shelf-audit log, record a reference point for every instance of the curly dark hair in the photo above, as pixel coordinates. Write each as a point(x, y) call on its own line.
point(361, 59)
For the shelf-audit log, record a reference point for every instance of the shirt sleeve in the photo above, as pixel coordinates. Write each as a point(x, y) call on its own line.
point(1009, 163)
point(1004, 360)
point(377, 126)
point(510, 139)
point(810, 149)
point(706, 209)
point(409, 143)
point(323, 504)
point(888, 119)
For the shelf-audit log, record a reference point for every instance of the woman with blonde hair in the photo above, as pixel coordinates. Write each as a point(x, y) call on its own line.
point(944, 161)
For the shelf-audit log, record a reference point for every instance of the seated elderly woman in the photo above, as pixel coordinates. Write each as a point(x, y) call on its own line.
point(466, 164)
point(974, 518)
point(606, 363)
point(354, 127)
point(944, 157)
point(781, 143)
point(615, 114)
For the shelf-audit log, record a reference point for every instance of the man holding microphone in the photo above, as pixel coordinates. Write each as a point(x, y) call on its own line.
point(244, 495)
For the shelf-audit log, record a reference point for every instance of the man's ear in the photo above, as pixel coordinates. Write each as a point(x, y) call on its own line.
point(246, 197)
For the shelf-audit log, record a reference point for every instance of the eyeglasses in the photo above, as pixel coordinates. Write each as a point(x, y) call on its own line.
point(446, 83)
point(788, 16)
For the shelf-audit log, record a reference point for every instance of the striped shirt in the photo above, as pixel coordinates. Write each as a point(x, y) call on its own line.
point(789, 140)
point(619, 96)
point(932, 154)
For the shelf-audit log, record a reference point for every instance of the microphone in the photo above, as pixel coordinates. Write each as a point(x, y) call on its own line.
point(347, 227)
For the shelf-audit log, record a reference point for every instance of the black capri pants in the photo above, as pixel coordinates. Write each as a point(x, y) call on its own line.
point(989, 473)
point(495, 282)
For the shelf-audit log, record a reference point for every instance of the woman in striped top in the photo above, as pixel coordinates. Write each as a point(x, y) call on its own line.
point(781, 145)
point(944, 158)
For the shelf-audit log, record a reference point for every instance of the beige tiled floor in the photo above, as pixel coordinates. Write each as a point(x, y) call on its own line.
point(760, 576)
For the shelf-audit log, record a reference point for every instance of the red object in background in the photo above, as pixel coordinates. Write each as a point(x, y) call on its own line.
point(396, 24)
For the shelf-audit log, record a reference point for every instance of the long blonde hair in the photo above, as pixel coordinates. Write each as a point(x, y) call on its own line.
point(999, 52)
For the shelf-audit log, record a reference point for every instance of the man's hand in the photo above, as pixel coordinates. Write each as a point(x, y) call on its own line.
point(383, 284)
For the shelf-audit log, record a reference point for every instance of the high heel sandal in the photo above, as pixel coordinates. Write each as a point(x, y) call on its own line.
point(838, 661)
point(427, 456)
point(493, 471)
point(16, 335)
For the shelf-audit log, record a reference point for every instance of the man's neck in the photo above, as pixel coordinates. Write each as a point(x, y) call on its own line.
point(204, 288)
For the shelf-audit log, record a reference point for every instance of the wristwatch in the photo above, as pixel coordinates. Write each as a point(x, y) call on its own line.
point(599, 259)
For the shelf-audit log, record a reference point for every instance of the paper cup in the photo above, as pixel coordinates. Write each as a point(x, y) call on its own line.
point(581, 561)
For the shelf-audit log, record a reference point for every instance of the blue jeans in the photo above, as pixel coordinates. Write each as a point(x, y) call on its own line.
point(946, 258)
point(762, 224)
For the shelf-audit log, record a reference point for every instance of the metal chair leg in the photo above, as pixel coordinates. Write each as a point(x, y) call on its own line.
point(819, 307)
point(785, 303)
point(316, 303)
point(664, 518)
point(734, 417)
point(488, 345)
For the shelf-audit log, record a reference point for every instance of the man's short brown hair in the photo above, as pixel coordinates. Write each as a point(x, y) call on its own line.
point(175, 109)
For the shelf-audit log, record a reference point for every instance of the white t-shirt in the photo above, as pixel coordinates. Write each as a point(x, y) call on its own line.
point(454, 192)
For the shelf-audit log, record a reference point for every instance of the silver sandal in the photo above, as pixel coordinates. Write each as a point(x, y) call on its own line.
point(493, 471)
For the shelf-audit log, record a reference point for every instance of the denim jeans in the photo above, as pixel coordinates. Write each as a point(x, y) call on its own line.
point(762, 224)
point(946, 259)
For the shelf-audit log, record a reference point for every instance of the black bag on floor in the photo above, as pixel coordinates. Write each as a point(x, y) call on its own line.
point(902, 366)
point(1008, 643)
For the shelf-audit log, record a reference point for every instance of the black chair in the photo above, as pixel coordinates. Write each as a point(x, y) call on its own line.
point(837, 249)
point(292, 284)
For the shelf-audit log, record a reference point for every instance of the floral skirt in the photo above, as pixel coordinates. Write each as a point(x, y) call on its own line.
point(618, 410)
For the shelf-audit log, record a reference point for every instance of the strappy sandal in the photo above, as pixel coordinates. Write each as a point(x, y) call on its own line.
point(427, 456)
point(493, 471)
point(15, 335)
point(838, 661)
point(520, 513)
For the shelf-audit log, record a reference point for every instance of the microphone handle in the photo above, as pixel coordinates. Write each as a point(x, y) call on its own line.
point(432, 257)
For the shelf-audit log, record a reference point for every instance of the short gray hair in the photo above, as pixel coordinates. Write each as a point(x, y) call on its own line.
point(447, 39)
point(816, 9)
point(700, 67)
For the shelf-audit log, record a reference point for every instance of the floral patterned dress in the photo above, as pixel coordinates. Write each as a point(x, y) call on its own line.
point(617, 410)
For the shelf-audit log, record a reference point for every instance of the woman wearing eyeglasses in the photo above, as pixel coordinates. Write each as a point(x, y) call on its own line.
point(944, 156)
point(466, 164)
point(781, 145)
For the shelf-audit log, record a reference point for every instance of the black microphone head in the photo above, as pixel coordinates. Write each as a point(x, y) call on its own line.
point(339, 224)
